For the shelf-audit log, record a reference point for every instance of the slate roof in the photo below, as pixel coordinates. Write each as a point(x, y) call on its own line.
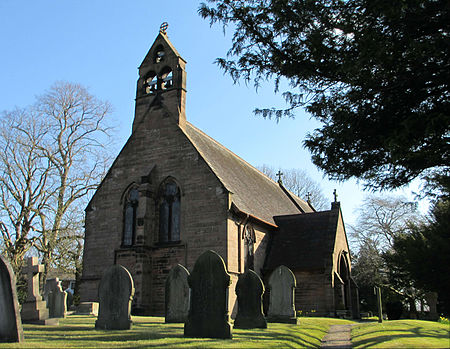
point(304, 242)
point(253, 192)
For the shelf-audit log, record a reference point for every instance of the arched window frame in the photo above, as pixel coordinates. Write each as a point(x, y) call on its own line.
point(130, 204)
point(150, 83)
point(169, 211)
point(249, 238)
point(166, 78)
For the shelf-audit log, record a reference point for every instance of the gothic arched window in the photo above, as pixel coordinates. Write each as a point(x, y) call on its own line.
point(169, 212)
point(129, 217)
point(249, 247)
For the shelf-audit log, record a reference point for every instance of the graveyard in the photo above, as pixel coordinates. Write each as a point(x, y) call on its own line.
point(76, 331)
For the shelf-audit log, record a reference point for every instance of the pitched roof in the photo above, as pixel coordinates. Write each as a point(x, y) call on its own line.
point(304, 242)
point(252, 191)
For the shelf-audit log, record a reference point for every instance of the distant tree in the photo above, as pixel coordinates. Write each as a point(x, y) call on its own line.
point(300, 183)
point(375, 73)
point(368, 270)
point(53, 156)
point(381, 219)
point(422, 257)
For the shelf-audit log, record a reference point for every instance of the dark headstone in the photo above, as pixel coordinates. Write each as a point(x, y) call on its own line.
point(431, 298)
point(10, 323)
point(281, 304)
point(56, 298)
point(35, 310)
point(115, 293)
point(177, 294)
point(208, 312)
point(249, 291)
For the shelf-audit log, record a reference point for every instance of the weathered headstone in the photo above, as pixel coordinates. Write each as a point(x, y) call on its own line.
point(35, 310)
point(115, 293)
point(281, 303)
point(249, 291)
point(56, 298)
point(208, 312)
point(431, 299)
point(10, 323)
point(177, 294)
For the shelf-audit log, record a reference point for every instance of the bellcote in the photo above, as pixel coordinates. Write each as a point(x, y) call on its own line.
point(162, 83)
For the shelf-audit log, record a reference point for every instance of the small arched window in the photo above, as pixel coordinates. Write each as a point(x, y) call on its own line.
point(166, 78)
point(129, 217)
point(169, 212)
point(159, 54)
point(249, 247)
point(151, 83)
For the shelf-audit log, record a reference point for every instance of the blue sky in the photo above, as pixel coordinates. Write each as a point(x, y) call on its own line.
point(100, 44)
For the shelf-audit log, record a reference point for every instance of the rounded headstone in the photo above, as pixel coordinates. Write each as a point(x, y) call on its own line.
point(115, 293)
point(208, 312)
point(10, 322)
point(249, 291)
point(177, 294)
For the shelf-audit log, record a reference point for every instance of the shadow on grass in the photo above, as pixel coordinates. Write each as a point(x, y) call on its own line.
point(148, 332)
point(391, 333)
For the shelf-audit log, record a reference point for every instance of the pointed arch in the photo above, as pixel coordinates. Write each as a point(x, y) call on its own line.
point(249, 238)
point(169, 210)
point(130, 201)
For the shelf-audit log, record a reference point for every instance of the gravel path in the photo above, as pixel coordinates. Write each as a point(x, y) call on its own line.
point(338, 337)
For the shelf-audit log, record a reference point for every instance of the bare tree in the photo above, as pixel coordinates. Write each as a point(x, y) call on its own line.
point(24, 178)
point(69, 139)
point(381, 218)
point(300, 183)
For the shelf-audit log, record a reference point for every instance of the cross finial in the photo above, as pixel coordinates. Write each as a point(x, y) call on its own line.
point(163, 28)
point(308, 196)
point(279, 174)
point(335, 195)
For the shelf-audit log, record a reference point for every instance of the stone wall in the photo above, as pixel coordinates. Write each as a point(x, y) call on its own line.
point(157, 149)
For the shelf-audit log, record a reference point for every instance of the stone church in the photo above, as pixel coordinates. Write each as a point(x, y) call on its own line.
point(173, 192)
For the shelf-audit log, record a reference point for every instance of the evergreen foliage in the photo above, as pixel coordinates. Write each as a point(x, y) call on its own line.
point(375, 73)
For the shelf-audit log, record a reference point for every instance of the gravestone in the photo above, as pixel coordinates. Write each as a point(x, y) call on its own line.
point(56, 298)
point(35, 310)
point(208, 311)
point(115, 293)
point(249, 291)
point(281, 301)
point(177, 294)
point(431, 298)
point(10, 322)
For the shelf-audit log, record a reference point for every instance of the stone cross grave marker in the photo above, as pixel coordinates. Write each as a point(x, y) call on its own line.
point(208, 312)
point(281, 301)
point(115, 293)
point(35, 310)
point(10, 322)
point(249, 291)
point(177, 294)
point(56, 298)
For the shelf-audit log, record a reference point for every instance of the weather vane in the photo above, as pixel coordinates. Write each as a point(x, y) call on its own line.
point(335, 195)
point(163, 28)
point(308, 196)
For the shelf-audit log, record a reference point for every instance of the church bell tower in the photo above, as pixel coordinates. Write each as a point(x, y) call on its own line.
point(161, 86)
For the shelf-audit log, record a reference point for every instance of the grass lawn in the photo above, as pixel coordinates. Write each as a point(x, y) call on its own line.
point(401, 334)
point(148, 332)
